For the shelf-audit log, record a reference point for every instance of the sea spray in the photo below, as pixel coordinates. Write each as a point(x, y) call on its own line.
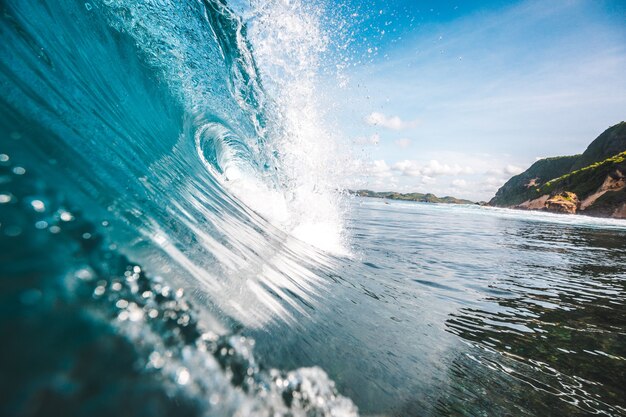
point(150, 118)
point(290, 40)
point(92, 334)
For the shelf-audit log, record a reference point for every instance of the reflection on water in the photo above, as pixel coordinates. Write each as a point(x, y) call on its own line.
point(470, 311)
point(553, 325)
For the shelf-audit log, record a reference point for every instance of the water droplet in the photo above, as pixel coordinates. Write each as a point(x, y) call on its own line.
point(38, 205)
point(99, 290)
point(4, 157)
point(182, 376)
point(135, 313)
point(84, 274)
point(88, 6)
point(66, 216)
point(86, 235)
point(5, 198)
point(54, 229)
point(156, 360)
point(19, 171)
point(121, 304)
point(41, 224)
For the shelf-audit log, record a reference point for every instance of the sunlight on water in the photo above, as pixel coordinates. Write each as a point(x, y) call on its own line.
point(173, 240)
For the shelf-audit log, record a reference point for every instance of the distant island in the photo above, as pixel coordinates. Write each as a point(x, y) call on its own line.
point(422, 198)
point(591, 183)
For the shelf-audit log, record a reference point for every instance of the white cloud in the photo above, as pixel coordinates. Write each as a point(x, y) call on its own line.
point(403, 143)
point(379, 169)
point(513, 170)
point(389, 122)
point(494, 181)
point(508, 170)
point(463, 175)
point(493, 171)
point(490, 185)
point(428, 180)
point(407, 168)
point(434, 168)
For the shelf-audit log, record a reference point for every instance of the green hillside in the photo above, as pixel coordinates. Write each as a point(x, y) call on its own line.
point(423, 198)
point(581, 174)
point(523, 187)
point(587, 180)
point(611, 142)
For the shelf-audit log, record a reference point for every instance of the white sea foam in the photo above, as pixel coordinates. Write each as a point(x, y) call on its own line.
point(288, 42)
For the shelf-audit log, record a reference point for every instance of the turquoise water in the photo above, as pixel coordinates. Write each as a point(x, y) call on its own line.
point(462, 310)
point(172, 241)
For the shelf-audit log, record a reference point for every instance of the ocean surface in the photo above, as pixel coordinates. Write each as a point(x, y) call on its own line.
point(173, 241)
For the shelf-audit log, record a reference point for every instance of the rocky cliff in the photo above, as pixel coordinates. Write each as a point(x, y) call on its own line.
point(592, 183)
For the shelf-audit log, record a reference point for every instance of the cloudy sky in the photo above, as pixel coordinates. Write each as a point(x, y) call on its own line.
point(456, 97)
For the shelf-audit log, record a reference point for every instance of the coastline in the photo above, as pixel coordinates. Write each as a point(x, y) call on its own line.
point(416, 197)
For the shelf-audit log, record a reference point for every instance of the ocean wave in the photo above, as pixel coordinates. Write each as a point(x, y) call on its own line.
point(151, 121)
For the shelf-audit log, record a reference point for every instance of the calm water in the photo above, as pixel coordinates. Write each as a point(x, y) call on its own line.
point(456, 310)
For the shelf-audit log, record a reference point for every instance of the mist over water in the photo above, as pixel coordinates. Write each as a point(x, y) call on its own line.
point(173, 240)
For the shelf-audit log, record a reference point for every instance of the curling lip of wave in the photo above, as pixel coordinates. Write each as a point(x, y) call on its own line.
point(150, 117)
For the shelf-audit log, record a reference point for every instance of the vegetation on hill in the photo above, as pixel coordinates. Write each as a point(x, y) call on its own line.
point(592, 173)
point(522, 187)
point(423, 198)
point(611, 142)
point(587, 180)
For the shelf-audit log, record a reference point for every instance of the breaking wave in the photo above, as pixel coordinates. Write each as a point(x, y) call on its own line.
point(183, 135)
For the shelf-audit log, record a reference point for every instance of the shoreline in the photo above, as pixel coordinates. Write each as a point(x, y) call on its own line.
point(512, 208)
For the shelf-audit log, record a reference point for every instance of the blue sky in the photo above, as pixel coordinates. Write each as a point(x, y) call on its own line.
point(456, 97)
